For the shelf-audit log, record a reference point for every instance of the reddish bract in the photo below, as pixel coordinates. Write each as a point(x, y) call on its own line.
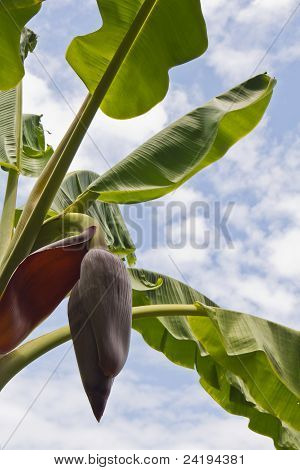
point(38, 286)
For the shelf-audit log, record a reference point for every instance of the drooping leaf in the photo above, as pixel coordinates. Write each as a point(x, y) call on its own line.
point(22, 138)
point(28, 42)
point(36, 152)
point(109, 217)
point(131, 54)
point(187, 146)
point(38, 285)
point(14, 15)
point(247, 364)
point(260, 360)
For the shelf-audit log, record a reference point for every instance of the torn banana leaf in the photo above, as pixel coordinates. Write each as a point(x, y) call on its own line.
point(22, 139)
point(247, 364)
point(36, 152)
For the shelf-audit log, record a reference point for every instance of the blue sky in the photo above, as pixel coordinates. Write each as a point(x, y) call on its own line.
point(155, 404)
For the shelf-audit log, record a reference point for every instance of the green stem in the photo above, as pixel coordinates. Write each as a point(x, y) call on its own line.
point(8, 212)
point(51, 178)
point(15, 361)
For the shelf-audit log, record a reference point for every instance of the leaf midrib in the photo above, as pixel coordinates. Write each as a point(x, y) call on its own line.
point(126, 45)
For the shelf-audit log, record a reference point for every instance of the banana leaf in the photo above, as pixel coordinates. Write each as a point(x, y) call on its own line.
point(14, 15)
point(108, 216)
point(36, 152)
point(249, 365)
point(131, 54)
point(22, 137)
point(187, 146)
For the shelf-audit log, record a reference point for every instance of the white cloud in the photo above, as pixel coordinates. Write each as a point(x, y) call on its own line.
point(266, 12)
point(242, 33)
point(139, 415)
point(285, 254)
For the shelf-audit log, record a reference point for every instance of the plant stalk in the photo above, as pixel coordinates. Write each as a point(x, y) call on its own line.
point(14, 362)
point(8, 212)
point(51, 178)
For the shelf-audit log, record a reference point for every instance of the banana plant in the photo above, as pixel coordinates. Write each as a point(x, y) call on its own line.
point(71, 234)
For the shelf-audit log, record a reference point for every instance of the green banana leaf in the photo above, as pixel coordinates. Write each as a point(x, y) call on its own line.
point(36, 152)
point(247, 364)
point(10, 122)
point(22, 138)
point(108, 216)
point(187, 146)
point(28, 42)
point(131, 54)
point(14, 14)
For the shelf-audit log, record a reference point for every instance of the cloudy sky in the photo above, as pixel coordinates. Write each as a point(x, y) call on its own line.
point(155, 404)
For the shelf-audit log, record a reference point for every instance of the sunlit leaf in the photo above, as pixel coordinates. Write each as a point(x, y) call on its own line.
point(246, 364)
point(131, 54)
point(36, 152)
point(22, 138)
point(14, 15)
point(187, 146)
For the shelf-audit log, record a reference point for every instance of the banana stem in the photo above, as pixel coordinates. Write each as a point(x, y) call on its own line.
point(8, 212)
point(50, 180)
point(15, 361)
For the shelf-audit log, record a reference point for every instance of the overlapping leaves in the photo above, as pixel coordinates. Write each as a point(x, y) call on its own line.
point(246, 364)
point(107, 216)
